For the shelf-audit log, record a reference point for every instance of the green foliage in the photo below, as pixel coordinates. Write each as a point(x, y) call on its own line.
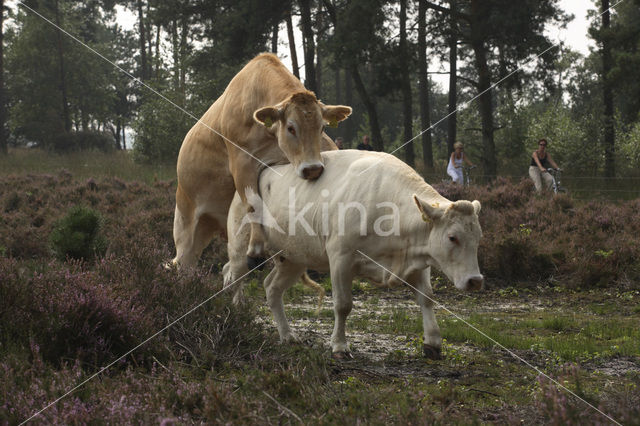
point(568, 144)
point(37, 51)
point(629, 149)
point(79, 141)
point(78, 234)
point(160, 128)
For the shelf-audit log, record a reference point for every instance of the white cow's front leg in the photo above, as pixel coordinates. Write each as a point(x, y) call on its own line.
point(341, 276)
point(283, 276)
point(432, 341)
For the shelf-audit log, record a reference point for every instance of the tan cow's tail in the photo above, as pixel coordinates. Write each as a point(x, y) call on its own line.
point(307, 281)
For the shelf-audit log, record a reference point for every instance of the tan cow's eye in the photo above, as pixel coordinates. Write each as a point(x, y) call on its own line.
point(453, 239)
point(291, 130)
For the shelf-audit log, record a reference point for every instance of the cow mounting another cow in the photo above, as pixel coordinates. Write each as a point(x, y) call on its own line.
point(264, 117)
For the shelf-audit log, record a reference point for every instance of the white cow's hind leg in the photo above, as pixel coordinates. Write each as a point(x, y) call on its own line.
point(432, 341)
point(341, 276)
point(283, 276)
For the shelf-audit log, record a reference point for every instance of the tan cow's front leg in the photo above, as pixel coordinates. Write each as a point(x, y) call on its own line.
point(246, 171)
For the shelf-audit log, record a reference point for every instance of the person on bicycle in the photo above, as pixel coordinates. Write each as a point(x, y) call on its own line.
point(454, 168)
point(541, 161)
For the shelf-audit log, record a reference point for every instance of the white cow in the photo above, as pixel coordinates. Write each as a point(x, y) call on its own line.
point(384, 224)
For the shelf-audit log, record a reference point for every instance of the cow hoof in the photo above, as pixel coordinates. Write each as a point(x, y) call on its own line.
point(431, 352)
point(170, 266)
point(342, 356)
point(255, 263)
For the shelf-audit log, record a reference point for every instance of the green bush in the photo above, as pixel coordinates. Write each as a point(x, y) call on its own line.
point(78, 234)
point(160, 128)
point(83, 141)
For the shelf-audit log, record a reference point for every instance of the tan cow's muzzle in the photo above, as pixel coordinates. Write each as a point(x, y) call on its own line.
point(311, 171)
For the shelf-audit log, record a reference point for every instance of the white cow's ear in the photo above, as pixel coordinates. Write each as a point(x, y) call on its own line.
point(476, 206)
point(333, 114)
point(268, 115)
point(430, 212)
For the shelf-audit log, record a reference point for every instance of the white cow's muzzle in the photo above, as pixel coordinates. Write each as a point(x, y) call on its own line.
point(471, 283)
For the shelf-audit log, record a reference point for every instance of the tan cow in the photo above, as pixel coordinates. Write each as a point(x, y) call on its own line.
point(264, 117)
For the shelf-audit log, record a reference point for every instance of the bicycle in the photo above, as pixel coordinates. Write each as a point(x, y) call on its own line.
point(556, 186)
point(466, 174)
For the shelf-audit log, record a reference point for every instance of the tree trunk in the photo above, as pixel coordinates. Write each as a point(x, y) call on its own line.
point(66, 117)
point(338, 88)
point(376, 135)
point(175, 53)
point(274, 39)
point(143, 43)
point(349, 128)
point(452, 121)
point(116, 134)
point(309, 45)
point(124, 138)
point(3, 110)
point(292, 46)
point(485, 93)
point(157, 56)
point(407, 110)
point(184, 32)
point(318, 64)
point(149, 32)
point(609, 130)
point(423, 78)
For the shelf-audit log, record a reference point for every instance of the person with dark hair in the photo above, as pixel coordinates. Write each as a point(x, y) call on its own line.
point(364, 145)
point(541, 161)
point(340, 142)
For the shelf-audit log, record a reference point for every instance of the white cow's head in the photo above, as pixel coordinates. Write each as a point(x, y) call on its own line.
point(453, 240)
point(299, 121)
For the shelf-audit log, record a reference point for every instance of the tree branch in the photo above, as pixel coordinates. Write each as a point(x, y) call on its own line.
point(468, 80)
point(446, 10)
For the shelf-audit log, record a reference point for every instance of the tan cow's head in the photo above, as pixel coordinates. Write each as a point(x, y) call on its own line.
point(299, 122)
point(453, 240)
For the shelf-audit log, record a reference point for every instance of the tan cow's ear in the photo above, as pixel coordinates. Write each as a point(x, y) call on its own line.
point(267, 115)
point(430, 211)
point(333, 114)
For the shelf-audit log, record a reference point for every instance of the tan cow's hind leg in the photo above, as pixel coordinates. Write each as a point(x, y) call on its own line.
point(245, 171)
point(183, 230)
point(193, 231)
point(307, 281)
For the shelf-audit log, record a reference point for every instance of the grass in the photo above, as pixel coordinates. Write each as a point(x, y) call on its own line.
point(84, 165)
point(63, 320)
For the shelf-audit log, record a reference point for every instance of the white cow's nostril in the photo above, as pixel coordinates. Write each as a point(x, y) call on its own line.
point(475, 283)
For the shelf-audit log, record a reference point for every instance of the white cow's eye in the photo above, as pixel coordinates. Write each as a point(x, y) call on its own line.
point(453, 239)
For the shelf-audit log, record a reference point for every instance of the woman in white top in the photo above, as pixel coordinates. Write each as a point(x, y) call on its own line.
point(454, 169)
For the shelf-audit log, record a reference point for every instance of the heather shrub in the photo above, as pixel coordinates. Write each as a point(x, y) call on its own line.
point(69, 312)
point(561, 408)
point(78, 234)
point(515, 258)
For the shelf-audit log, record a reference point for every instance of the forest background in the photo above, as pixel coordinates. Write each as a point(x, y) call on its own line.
point(510, 83)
